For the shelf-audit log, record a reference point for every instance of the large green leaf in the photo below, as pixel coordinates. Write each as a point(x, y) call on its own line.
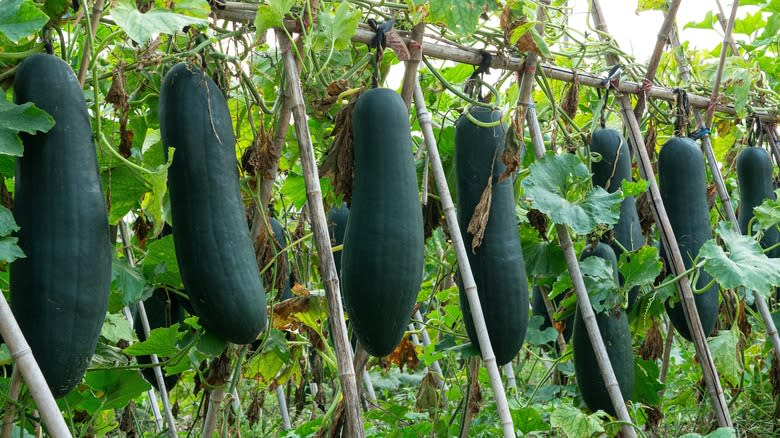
point(639, 267)
point(535, 336)
point(724, 352)
point(9, 249)
point(159, 265)
point(117, 387)
point(574, 423)
point(559, 186)
point(768, 213)
point(20, 118)
point(127, 280)
point(141, 27)
point(20, 19)
point(461, 17)
point(161, 341)
point(647, 384)
point(339, 25)
point(741, 264)
point(272, 14)
point(7, 222)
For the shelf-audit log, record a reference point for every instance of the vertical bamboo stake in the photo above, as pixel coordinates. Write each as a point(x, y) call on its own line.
point(706, 144)
point(655, 59)
point(410, 73)
point(25, 363)
point(282, 400)
point(502, 406)
point(670, 242)
point(13, 397)
point(322, 239)
point(171, 422)
point(158, 420)
point(426, 341)
point(511, 381)
point(564, 239)
point(210, 421)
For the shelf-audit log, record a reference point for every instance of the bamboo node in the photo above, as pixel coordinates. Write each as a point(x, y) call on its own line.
point(21, 353)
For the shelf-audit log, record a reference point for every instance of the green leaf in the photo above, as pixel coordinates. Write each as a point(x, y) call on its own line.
point(640, 267)
point(160, 265)
point(9, 249)
point(20, 19)
point(650, 5)
point(127, 280)
point(574, 423)
point(7, 222)
point(749, 24)
point(535, 336)
point(634, 188)
point(529, 419)
point(211, 344)
point(542, 259)
point(768, 213)
point(521, 30)
point(559, 186)
point(20, 118)
point(742, 264)
point(707, 23)
point(161, 341)
point(340, 25)
point(116, 327)
point(124, 190)
point(724, 352)
point(55, 9)
point(141, 27)
point(600, 283)
point(541, 45)
point(117, 387)
point(272, 15)
point(647, 384)
point(461, 17)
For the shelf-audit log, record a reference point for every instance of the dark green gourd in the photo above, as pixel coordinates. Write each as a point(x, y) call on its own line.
point(683, 186)
point(281, 242)
point(614, 329)
point(382, 261)
point(210, 232)
point(497, 264)
point(609, 173)
point(754, 173)
point(59, 292)
point(163, 309)
point(337, 225)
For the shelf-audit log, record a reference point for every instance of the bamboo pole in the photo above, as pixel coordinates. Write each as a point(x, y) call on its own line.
point(469, 286)
point(97, 9)
point(464, 55)
point(564, 239)
point(509, 373)
point(282, 400)
point(426, 341)
point(210, 421)
point(13, 397)
point(772, 137)
point(415, 56)
point(670, 242)
point(158, 376)
point(658, 50)
point(706, 145)
point(31, 372)
point(322, 239)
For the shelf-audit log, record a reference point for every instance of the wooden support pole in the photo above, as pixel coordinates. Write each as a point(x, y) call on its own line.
point(31, 372)
point(655, 59)
point(97, 10)
point(670, 242)
point(469, 285)
point(282, 400)
point(322, 240)
point(13, 397)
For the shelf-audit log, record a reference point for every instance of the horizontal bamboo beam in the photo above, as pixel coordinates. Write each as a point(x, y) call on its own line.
point(244, 12)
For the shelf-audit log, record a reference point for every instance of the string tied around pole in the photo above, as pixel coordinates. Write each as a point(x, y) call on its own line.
point(611, 81)
point(378, 42)
point(755, 131)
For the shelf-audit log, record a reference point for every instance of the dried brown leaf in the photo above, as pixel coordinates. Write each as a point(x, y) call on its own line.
point(428, 395)
point(481, 215)
point(652, 347)
point(404, 354)
point(339, 160)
